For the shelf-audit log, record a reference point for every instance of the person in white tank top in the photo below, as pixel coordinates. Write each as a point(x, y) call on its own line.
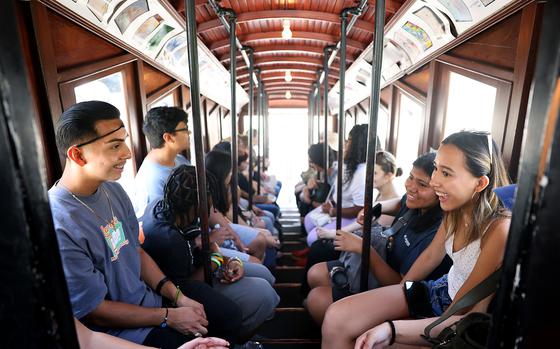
point(473, 233)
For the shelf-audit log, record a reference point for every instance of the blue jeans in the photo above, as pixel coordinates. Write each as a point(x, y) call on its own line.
point(439, 297)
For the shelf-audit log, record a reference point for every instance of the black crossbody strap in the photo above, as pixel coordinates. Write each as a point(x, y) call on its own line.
point(402, 221)
point(475, 295)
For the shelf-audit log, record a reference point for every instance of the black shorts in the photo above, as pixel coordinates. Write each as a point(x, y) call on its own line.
point(337, 292)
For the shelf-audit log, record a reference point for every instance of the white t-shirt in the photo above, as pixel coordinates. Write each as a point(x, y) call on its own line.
point(353, 192)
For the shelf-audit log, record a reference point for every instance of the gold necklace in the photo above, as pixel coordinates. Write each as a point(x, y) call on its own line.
point(111, 223)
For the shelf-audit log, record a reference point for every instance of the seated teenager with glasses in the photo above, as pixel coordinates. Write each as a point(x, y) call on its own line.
point(473, 233)
point(167, 131)
point(172, 238)
point(114, 286)
point(419, 208)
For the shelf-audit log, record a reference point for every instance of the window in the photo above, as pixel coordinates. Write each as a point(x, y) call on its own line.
point(382, 124)
point(167, 101)
point(111, 89)
point(470, 105)
point(410, 125)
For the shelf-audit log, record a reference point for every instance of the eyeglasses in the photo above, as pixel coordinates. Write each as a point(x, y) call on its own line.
point(181, 130)
point(99, 137)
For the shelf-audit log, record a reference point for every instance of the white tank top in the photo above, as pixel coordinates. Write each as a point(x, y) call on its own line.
point(463, 263)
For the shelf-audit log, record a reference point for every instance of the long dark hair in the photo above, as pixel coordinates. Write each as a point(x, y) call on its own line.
point(218, 167)
point(357, 150)
point(433, 215)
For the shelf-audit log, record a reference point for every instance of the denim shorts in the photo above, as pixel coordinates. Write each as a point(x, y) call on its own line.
point(439, 297)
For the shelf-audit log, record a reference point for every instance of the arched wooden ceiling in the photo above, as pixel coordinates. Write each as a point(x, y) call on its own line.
point(314, 25)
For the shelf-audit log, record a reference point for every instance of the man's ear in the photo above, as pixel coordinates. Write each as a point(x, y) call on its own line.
point(482, 184)
point(75, 155)
point(167, 137)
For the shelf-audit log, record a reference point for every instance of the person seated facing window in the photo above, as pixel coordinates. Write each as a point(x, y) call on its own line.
point(115, 286)
point(172, 237)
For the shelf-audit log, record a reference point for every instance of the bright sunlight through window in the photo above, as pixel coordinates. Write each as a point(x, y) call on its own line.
point(470, 105)
point(110, 89)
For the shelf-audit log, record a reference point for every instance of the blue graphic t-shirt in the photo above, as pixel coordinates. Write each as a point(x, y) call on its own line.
point(100, 255)
point(150, 181)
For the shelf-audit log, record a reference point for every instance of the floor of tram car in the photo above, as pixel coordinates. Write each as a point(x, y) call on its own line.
point(292, 326)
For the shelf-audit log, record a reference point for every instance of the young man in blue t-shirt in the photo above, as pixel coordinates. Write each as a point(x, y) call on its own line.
point(114, 285)
point(168, 133)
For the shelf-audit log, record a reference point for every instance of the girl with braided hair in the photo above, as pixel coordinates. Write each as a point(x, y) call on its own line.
point(172, 238)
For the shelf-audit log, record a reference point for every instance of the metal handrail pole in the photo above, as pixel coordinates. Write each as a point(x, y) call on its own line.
point(197, 133)
point(232, 19)
point(326, 50)
point(222, 16)
point(249, 51)
point(372, 138)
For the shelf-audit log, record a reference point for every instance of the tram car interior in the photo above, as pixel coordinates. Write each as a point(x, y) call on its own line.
point(200, 173)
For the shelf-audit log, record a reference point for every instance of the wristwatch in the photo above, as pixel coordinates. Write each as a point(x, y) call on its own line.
point(164, 322)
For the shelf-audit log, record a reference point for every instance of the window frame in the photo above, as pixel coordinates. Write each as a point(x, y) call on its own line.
point(400, 89)
point(492, 76)
point(126, 64)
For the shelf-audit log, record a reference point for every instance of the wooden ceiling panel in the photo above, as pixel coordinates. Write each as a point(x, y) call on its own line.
point(314, 25)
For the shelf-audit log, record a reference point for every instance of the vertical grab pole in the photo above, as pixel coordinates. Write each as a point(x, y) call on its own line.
point(260, 113)
point(326, 51)
point(249, 51)
point(343, 18)
point(372, 138)
point(266, 134)
point(311, 114)
point(319, 71)
point(197, 130)
point(232, 18)
point(260, 126)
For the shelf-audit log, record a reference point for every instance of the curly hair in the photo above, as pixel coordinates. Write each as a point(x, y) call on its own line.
point(356, 152)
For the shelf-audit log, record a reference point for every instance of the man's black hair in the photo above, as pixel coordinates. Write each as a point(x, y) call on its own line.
point(160, 120)
point(77, 124)
point(223, 146)
point(316, 154)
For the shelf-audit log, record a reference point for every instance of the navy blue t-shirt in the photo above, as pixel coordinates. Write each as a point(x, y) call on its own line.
point(167, 246)
point(410, 242)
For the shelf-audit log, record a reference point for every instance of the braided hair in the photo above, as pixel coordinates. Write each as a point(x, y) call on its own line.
point(180, 194)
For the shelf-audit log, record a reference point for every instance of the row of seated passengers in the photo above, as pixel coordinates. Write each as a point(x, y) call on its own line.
point(454, 237)
point(142, 281)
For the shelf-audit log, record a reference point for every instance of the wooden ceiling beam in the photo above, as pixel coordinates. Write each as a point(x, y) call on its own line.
point(277, 60)
point(287, 87)
point(292, 68)
point(296, 63)
point(284, 49)
point(247, 17)
point(252, 38)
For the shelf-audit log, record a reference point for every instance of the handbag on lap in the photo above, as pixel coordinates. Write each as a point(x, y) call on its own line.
point(472, 331)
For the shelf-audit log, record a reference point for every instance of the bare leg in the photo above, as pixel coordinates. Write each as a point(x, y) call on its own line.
point(348, 318)
point(318, 301)
point(318, 275)
point(258, 246)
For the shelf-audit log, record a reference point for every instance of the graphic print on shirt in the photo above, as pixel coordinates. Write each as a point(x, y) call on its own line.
point(114, 237)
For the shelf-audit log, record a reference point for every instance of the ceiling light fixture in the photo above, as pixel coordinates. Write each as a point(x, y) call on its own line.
point(286, 33)
point(288, 95)
point(288, 76)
